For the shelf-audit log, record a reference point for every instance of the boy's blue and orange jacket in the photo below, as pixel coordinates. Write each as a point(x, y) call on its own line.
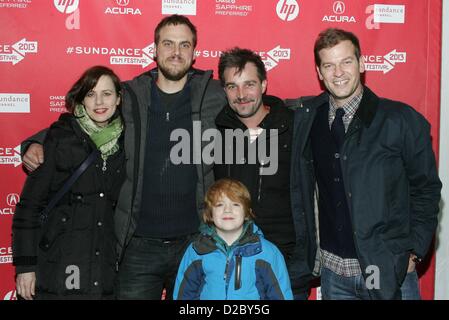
point(251, 269)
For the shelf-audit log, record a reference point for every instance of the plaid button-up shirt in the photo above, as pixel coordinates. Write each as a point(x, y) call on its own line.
point(349, 107)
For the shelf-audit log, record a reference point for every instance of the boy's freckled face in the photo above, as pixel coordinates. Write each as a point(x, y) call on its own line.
point(228, 215)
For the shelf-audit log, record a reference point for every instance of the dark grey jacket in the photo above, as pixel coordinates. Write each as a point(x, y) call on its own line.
point(391, 183)
point(207, 99)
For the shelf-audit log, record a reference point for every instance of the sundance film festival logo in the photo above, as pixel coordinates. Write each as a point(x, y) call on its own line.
point(5, 255)
point(384, 63)
point(123, 56)
point(184, 7)
point(14, 103)
point(10, 156)
point(271, 58)
point(339, 9)
point(14, 53)
point(122, 9)
point(69, 7)
point(11, 200)
point(287, 10)
point(14, 4)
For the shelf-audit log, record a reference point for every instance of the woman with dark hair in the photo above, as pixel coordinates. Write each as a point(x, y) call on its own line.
point(71, 253)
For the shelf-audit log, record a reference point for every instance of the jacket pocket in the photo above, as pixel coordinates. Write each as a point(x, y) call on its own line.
point(401, 266)
point(56, 225)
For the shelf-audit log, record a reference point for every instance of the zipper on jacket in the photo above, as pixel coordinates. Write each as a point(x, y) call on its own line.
point(259, 189)
point(226, 270)
point(104, 168)
point(225, 278)
point(238, 272)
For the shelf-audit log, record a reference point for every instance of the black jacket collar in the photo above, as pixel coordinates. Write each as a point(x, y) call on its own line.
point(276, 119)
point(366, 111)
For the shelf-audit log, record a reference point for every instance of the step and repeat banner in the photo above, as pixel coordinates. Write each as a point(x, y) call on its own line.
point(46, 44)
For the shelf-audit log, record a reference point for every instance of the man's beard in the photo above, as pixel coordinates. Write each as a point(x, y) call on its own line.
point(252, 113)
point(173, 75)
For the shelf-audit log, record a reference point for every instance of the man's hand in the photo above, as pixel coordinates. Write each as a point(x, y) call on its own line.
point(411, 263)
point(34, 157)
point(25, 284)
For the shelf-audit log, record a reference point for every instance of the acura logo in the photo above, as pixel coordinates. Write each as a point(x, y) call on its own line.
point(339, 7)
point(12, 199)
point(122, 2)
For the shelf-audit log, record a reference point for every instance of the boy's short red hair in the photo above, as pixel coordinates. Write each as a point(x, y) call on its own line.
point(234, 190)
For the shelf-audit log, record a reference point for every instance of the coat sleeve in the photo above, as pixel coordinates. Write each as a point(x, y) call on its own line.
point(26, 225)
point(425, 185)
point(272, 279)
point(36, 138)
point(190, 278)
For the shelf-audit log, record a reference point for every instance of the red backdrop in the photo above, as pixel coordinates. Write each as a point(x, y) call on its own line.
point(45, 45)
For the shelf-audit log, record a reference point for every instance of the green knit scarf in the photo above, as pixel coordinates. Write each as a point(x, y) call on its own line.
point(105, 138)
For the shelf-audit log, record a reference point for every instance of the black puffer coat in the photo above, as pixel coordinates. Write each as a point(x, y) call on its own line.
point(79, 233)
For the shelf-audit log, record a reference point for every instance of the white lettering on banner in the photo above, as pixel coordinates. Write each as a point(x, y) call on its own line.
point(270, 59)
point(394, 57)
point(384, 63)
point(144, 60)
point(105, 51)
point(5, 255)
point(16, 52)
point(5, 251)
point(57, 104)
point(11, 295)
point(339, 8)
point(6, 211)
point(10, 156)
point(122, 56)
point(338, 19)
point(232, 8)
point(287, 10)
point(14, 103)
point(184, 7)
point(208, 53)
point(121, 10)
point(384, 13)
point(14, 4)
point(11, 200)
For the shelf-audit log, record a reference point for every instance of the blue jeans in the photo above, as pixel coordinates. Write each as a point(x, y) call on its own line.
point(336, 287)
point(149, 266)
